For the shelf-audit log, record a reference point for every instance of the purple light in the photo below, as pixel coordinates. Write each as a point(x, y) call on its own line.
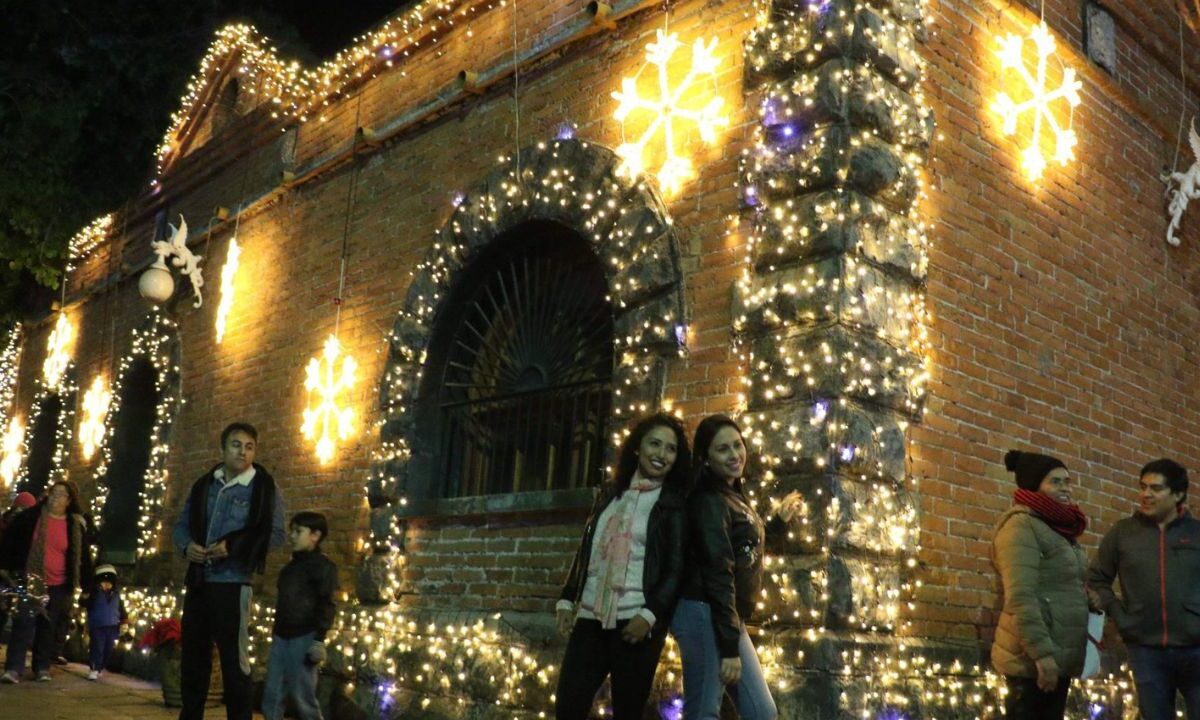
point(751, 195)
point(458, 198)
point(671, 709)
point(788, 131)
point(1095, 711)
point(566, 131)
point(820, 411)
point(891, 714)
point(846, 453)
point(681, 335)
point(386, 52)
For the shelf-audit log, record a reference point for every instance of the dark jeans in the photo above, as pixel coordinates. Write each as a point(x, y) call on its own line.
point(100, 645)
point(593, 654)
point(1159, 674)
point(1026, 702)
point(216, 613)
point(37, 629)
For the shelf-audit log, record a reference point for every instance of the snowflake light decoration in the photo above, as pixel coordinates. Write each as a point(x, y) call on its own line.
point(1040, 99)
point(326, 380)
point(96, 402)
point(12, 449)
point(57, 351)
point(676, 106)
point(228, 273)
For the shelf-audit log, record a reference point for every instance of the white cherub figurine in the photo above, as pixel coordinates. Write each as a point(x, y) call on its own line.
point(1182, 187)
point(176, 245)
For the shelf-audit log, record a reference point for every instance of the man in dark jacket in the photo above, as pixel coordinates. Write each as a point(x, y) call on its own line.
point(232, 516)
point(1156, 554)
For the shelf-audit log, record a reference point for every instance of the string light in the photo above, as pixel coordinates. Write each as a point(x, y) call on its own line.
point(228, 274)
point(1041, 98)
point(87, 240)
point(671, 106)
point(10, 364)
point(95, 411)
point(328, 377)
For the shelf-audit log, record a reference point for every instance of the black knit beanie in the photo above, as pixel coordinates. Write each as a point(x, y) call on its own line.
point(1030, 468)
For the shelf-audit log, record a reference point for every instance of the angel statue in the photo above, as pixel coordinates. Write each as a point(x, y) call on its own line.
point(1182, 187)
point(176, 248)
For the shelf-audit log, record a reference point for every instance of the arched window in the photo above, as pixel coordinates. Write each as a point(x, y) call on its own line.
point(518, 384)
point(131, 443)
point(43, 440)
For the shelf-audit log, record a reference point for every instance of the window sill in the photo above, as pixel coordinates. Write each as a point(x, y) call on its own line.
point(511, 503)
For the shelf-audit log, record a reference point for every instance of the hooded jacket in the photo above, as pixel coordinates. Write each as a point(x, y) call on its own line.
point(1159, 573)
point(1045, 611)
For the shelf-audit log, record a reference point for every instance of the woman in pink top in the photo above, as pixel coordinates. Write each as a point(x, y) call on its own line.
point(43, 555)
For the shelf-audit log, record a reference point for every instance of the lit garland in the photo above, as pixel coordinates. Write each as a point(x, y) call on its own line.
point(300, 94)
point(327, 420)
point(1040, 99)
point(669, 108)
point(228, 275)
point(157, 343)
point(95, 413)
point(58, 351)
point(10, 364)
point(87, 240)
point(12, 451)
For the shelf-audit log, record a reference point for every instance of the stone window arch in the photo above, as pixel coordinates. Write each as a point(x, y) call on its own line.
point(572, 184)
point(130, 480)
point(518, 382)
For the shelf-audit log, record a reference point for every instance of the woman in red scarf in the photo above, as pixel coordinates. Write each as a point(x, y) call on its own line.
point(1042, 631)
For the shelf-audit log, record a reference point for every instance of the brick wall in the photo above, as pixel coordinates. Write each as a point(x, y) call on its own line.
point(1061, 320)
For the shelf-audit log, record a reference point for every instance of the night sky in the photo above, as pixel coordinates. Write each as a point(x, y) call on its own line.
point(326, 27)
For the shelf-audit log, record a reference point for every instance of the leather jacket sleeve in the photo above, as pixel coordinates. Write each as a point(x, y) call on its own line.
point(661, 598)
point(714, 553)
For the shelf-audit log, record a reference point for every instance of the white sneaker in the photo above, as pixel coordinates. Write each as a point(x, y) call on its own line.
point(9, 678)
point(94, 675)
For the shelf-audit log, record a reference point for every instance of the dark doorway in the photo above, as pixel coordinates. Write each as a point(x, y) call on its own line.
point(42, 443)
point(130, 445)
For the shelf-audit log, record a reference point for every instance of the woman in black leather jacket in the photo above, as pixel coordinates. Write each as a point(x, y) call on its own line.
point(722, 582)
point(622, 588)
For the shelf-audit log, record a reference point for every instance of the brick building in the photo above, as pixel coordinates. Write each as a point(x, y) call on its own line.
point(859, 265)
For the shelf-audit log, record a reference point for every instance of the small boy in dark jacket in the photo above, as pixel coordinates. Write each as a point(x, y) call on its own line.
point(105, 615)
point(303, 614)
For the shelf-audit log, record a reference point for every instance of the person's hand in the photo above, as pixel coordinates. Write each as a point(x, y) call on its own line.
point(217, 550)
point(195, 553)
point(1047, 669)
point(1094, 602)
point(565, 620)
point(731, 670)
point(316, 652)
point(790, 506)
point(635, 630)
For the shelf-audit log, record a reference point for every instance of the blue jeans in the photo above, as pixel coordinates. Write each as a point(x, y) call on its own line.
point(1159, 673)
point(35, 626)
point(692, 627)
point(100, 645)
point(290, 674)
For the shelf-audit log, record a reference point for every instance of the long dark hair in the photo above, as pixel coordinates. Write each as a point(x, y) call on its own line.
point(627, 460)
point(706, 431)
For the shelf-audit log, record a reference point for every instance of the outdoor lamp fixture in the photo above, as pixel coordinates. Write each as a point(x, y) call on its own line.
point(156, 283)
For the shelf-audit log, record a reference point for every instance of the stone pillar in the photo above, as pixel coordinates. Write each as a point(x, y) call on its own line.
point(829, 320)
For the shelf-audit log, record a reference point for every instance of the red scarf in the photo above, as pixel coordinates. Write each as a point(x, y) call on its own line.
point(1066, 520)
